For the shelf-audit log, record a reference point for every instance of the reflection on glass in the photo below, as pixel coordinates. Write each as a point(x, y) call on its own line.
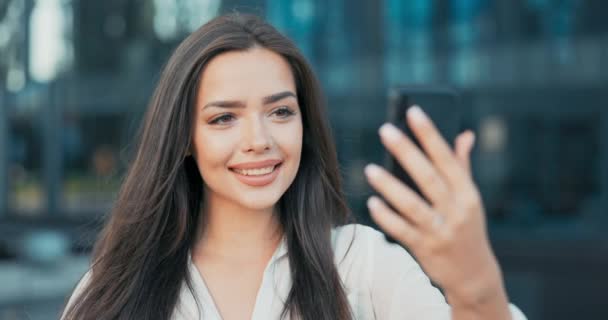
point(296, 18)
point(92, 169)
point(558, 20)
point(173, 18)
point(50, 47)
point(465, 34)
point(26, 190)
point(12, 62)
point(532, 168)
point(409, 34)
point(336, 71)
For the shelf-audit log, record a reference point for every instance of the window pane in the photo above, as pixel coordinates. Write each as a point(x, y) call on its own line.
point(92, 167)
point(26, 188)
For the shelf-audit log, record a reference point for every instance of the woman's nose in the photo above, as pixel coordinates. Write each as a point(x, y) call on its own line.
point(256, 136)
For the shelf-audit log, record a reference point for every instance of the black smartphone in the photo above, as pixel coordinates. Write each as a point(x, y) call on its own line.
point(441, 104)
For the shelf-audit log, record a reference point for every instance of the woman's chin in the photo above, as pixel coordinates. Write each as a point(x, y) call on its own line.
point(258, 200)
point(259, 204)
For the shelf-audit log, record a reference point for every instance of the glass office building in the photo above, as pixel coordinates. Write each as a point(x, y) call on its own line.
point(76, 75)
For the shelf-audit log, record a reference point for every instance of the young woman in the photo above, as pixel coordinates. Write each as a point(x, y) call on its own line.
point(233, 209)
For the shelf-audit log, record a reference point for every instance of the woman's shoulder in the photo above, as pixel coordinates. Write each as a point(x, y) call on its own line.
point(373, 269)
point(367, 249)
point(353, 234)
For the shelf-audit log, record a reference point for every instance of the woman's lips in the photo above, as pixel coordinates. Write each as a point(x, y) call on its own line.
point(258, 180)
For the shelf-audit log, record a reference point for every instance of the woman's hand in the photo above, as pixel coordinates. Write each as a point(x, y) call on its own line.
point(447, 233)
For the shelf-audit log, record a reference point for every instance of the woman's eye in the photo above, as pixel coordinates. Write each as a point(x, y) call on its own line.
point(284, 112)
point(223, 119)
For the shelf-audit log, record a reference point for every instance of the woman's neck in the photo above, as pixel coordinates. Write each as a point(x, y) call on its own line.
point(228, 230)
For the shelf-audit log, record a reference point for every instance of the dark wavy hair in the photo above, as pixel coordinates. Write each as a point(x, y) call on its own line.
point(140, 260)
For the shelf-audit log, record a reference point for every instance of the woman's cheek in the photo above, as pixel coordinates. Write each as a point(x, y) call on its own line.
point(213, 147)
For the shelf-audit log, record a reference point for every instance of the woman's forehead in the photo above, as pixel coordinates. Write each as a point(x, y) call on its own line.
point(243, 75)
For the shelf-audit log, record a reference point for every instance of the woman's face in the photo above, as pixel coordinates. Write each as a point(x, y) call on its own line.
point(247, 134)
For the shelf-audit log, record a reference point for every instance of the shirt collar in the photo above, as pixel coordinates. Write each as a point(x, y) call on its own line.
point(281, 250)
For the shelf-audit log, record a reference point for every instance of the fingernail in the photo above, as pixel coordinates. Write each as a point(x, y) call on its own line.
point(389, 132)
point(416, 114)
point(468, 137)
point(373, 202)
point(372, 170)
point(465, 135)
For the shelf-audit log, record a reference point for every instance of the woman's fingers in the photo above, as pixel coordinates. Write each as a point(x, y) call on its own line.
point(392, 223)
point(411, 158)
point(402, 198)
point(445, 179)
point(437, 148)
point(463, 144)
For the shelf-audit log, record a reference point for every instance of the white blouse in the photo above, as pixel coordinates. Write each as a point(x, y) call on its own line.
point(382, 281)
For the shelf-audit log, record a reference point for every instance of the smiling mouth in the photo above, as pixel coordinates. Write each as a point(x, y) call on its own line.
point(256, 172)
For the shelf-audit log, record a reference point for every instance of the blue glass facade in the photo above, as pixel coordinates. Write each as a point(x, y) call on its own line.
point(534, 82)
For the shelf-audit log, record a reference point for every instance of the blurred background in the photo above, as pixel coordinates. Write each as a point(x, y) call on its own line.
point(75, 77)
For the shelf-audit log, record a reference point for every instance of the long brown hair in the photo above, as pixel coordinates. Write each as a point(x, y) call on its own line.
point(140, 261)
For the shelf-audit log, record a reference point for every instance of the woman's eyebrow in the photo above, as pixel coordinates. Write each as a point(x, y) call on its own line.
point(278, 96)
point(239, 104)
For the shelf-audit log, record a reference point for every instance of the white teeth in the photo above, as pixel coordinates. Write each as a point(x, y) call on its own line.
point(255, 172)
